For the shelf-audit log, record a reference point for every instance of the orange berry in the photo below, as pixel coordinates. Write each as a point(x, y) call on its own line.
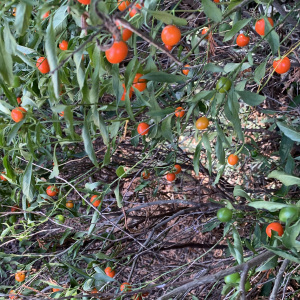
point(110, 272)
point(186, 71)
point(133, 11)
point(96, 203)
point(20, 276)
point(178, 169)
point(146, 175)
point(143, 128)
point(202, 123)
point(179, 112)
point(139, 84)
point(204, 31)
point(126, 287)
point(46, 15)
point(11, 294)
point(124, 93)
point(169, 47)
point(18, 114)
point(260, 26)
point(171, 35)
point(171, 177)
point(233, 159)
point(2, 177)
point(14, 208)
point(42, 65)
point(126, 33)
point(122, 4)
point(242, 40)
point(63, 45)
point(86, 2)
point(117, 53)
point(69, 204)
point(19, 100)
point(275, 227)
point(281, 66)
point(52, 190)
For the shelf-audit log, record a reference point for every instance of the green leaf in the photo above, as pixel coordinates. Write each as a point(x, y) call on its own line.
point(68, 117)
point(60, 15)
point(221, 135)
point(23, 16)
point(290, 235)
point(260, 72)
point(120, 171)
point(101, 255)
point(231, 110)
point(219, 174)
point(270, 206)
point(206, 144)
point(93, 222)
point(286, 179)
point(14, 131)
point(167, 130)
point(271, 263)
point(6, 63)
point(233, 4)
point(88, 145)
point(211, 10)
point(106, 159)
point(9, 40)
point(77, 270)
point(289, 132)
point(55, 171)
point(196, 159)
point(239, 192)
point(230, 67)
point(167, 18)
point(250, 98)
point(160, 112)
point(202, 95)
point(9, 170)
point(79, 68)
point(283, 254)
point(209, 226)
point(236, 28)
point(164, 77)
point(220, 151)
point(27, 187)
point(210, 67)
point(238, 248)
point(118, 196)
point(94, 19)
point(272, 37)
point(50, 45)
point(102, 277)
point(4, 106)
point(286, 145)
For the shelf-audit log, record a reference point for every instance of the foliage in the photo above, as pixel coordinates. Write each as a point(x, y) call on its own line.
point(98, 122)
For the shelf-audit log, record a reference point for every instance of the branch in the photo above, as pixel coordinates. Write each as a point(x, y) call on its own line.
point(243, 281)
point(281, 10)
point(148, 39)
point(278, 279)
point(220, 275)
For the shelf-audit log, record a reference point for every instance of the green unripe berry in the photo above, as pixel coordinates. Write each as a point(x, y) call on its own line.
point(224, 214)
